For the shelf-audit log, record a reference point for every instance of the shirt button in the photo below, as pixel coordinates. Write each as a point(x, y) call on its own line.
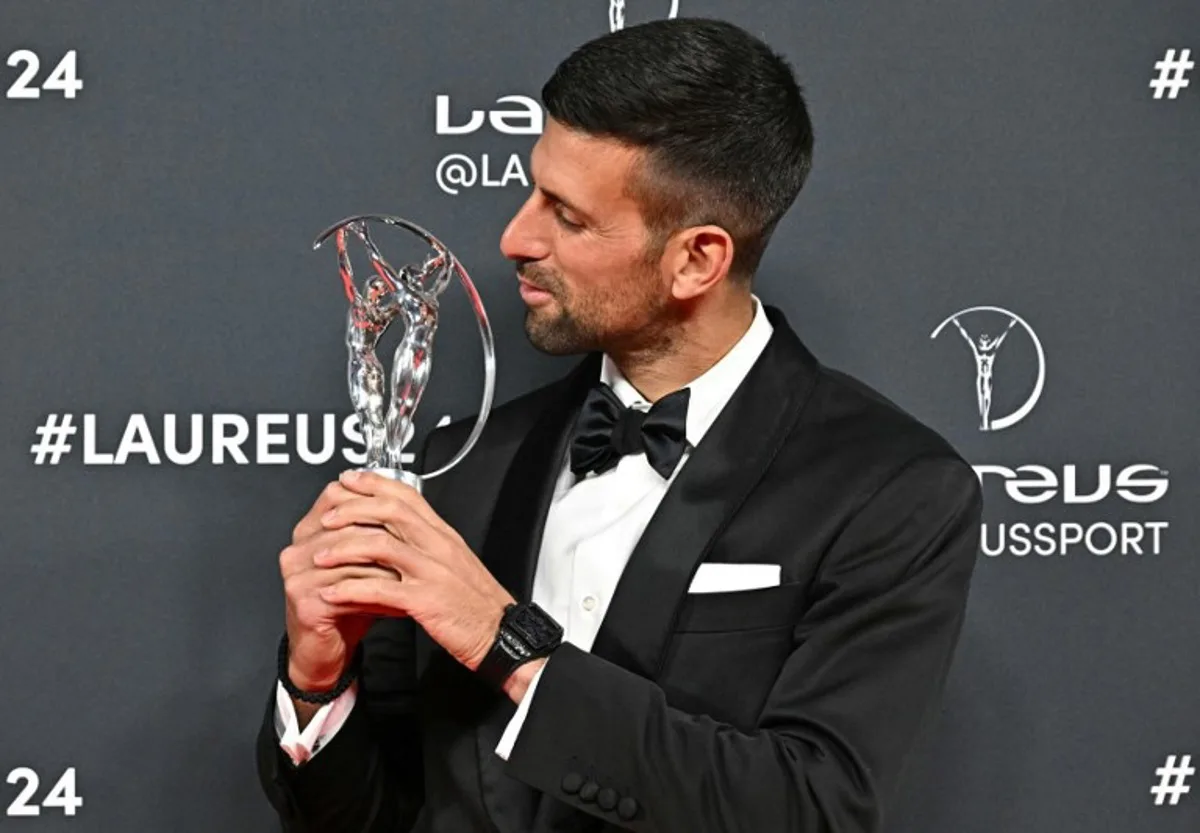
point(589, 602)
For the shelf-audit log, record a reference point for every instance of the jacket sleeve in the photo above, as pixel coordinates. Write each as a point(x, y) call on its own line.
point(869, 661)
point(368, 779)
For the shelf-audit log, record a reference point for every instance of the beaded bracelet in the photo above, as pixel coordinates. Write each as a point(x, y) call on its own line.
point(318, 697)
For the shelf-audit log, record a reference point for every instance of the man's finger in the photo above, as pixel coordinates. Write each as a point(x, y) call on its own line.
point(371, 484)
point(309, 607)
point(305, 583)
point(395, 514)
point(298, 557)
point(334, 494)
point(382, 549)
point(354, 571)
point(368, 595)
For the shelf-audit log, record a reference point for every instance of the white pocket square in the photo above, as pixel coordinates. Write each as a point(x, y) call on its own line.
point(726, 578)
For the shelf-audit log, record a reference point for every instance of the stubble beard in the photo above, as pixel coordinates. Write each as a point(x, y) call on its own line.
point(557, 334)
point(571, 325)
point(560, 329)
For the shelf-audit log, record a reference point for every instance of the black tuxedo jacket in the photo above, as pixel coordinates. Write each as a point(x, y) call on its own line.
point(787, 708)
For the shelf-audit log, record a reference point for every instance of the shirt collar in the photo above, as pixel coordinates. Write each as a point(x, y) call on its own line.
point(711, 389)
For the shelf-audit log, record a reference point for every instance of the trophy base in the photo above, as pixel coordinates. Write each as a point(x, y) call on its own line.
point(409, 478)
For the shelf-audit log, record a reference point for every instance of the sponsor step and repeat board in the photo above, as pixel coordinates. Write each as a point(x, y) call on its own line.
point(1001, 233)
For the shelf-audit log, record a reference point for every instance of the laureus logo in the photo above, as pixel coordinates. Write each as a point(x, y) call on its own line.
point(985, 331)
point(616, 13)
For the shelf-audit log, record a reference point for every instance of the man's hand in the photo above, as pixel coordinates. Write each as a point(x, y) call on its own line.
point(321, 636)
point(445, 588)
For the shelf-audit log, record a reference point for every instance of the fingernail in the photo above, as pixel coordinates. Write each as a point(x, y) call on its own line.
point(320, 557)
point(329, 516)
point(349, 476)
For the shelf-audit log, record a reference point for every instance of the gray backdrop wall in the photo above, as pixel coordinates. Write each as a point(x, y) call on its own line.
point(156, 277)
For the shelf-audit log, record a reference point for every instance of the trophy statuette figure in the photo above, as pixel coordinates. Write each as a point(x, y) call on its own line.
point(412, 294)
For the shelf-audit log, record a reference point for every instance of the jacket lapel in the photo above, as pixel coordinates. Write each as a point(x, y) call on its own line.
point(708, 490)
point(514, 537)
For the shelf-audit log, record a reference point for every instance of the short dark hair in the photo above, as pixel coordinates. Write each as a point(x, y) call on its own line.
point(723, 121)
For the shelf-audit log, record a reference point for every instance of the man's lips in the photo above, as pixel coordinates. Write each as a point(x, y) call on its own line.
point(531, 292)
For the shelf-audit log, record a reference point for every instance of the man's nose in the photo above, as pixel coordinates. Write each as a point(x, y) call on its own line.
point(523, 240)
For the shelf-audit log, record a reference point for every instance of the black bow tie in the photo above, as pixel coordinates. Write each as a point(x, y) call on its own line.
point(607, 429)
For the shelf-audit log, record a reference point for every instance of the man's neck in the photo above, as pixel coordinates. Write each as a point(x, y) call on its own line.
point(696, 347)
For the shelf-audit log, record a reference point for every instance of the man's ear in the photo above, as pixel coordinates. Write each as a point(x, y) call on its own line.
point(698, 258)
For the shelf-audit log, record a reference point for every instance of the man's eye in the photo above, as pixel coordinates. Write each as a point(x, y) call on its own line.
point(564, 222)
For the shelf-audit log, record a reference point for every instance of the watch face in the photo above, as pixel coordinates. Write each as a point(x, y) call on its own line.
point(535, 626)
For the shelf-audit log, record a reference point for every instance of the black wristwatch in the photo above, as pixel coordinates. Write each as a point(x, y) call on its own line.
point(526, 633)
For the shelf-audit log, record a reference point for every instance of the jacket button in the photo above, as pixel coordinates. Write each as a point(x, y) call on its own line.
point(571, 782)
point(588, 791)
point(627, 808)
point(606, 799)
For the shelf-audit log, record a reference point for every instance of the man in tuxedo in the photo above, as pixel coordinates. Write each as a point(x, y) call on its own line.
point(702, 583)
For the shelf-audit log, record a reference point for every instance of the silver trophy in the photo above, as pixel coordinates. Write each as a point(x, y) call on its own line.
point(411, 293)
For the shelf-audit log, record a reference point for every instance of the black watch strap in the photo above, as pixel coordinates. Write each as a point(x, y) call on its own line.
point(318, 697)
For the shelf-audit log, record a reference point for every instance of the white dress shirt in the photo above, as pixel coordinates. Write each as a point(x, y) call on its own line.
point(591, 529)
